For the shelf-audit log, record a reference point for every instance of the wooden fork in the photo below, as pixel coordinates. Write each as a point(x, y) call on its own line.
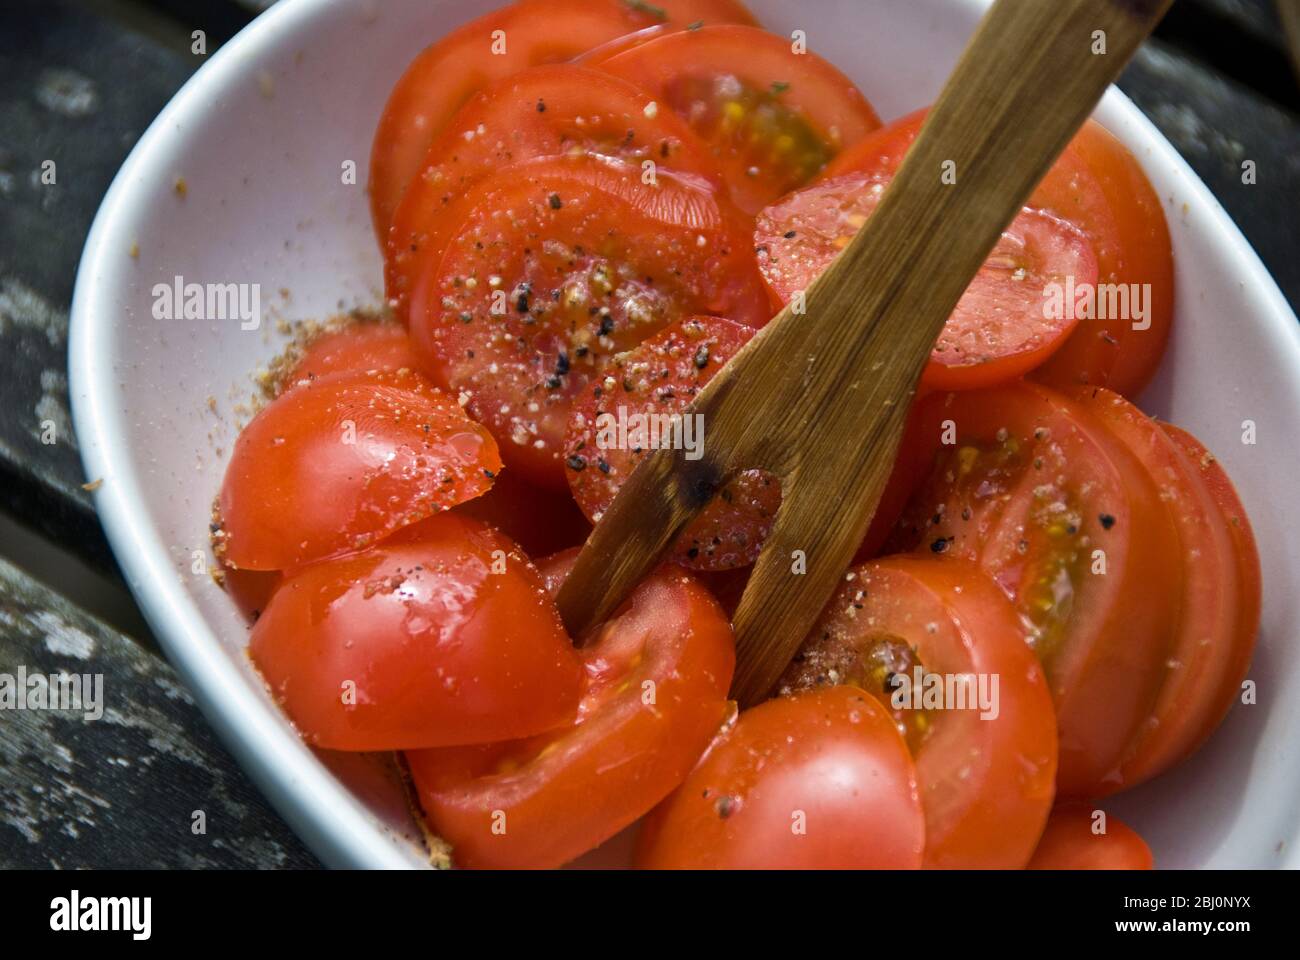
point(819, 399)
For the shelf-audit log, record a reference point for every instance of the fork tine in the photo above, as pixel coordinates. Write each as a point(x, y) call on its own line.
point(803, 560)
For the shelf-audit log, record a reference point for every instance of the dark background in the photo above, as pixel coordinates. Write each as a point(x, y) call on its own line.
point(80, 80)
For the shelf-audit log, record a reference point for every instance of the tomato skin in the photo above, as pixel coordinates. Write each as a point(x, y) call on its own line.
point(986, 777)
point(832, 755)
point(547, 111)
point(251, 590)
point(303, 485)
point(564, 793)
point(355, 349)
point(1045, 485)
point(440, 649)
point(798, 97)
point(451, 70)
point(520, 328)
point(1068, 843)
point(1131, 237)
point(1249, 574)
point(1216, 626)
point(659, 378)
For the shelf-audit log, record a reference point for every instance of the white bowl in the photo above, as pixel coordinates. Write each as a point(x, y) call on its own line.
point(260, 136)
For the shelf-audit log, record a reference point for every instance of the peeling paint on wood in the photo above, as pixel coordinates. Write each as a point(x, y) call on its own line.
point(123, 790)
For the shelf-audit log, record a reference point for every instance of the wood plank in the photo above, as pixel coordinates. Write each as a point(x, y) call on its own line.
point(120, 791)
point(77, 91)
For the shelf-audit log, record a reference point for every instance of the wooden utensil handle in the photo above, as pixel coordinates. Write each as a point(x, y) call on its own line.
point(819, 399)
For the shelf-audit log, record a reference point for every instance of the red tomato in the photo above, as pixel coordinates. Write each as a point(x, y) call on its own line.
point(1000, 328)
point(547, 111)
point(355, 349)
point(655, 695)
point(1217, 620)
point(903, 627)
point(337, 463)
point(773, 117)
point(1068, 523)
point(440, 635)
point(1127, 225)
point(543, 522)
point(821, 780)
point(525, 34)
point(559, 265)
point(1075, 839)
point(610, 428)
point(250, 589)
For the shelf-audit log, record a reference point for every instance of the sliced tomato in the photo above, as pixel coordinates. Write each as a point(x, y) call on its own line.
point(629, 412)
point(559, 265)
point(1077, 838)
point(1216, 628)
point(819, 780)
point(543, 522)
point(774, 117)
point(544, 112)
point(340, 462)
point(655, 694)
point(359, 348)
point(1243, 537)
point(524, 34)
point(442, 634)
point(1126, 222)
point(1002, 328)
point(250, 589)
point(1068, 522)
point(912, 631)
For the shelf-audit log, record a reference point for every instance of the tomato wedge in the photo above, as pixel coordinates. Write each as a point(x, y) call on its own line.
point(654, 696)
point(359, 348)
point(1068, 523)
point(439, 635)
point(773, 117)
point(525, 34)
point(543, 522)
point(625, 415)
point(544, 112)
point(1127, 223)
point(557, 266)
point(1216, 623)
point(337, 463)
point(1002, 328)
point(1075, 840)
point(911, 631)
point(819, 780)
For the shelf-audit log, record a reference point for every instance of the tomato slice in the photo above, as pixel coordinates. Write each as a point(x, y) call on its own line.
point(655, 694)
point(1068, 523)
point(909, 630)
point(773, 117)
point(541, 521)
point(440, 635)
point(559, 265)
point(1000, 329)
point(1243, 537)
point(544, 112)
point(337, 463)
point(819, 780)
point(525, 34)
point(1134, 253)
point(1216, 629)
point(359, 348)
point(628, 413)
point(1075, 840)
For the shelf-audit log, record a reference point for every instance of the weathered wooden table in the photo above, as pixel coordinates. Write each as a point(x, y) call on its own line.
point(79, 82)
